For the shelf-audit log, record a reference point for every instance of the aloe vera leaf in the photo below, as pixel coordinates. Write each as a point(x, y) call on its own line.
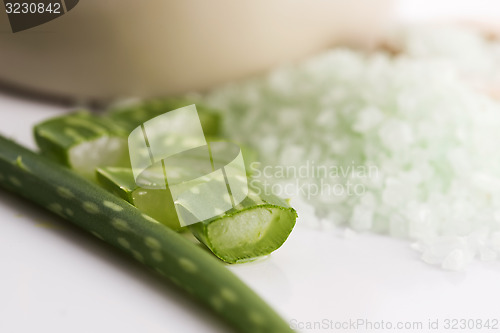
point(250, 155)
point(256, 227)
point(257, 224)
point(156, 203)
point(113, 220)
point(128, 118)
point(84, 141)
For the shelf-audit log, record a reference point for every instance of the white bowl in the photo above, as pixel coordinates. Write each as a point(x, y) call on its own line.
point(112, 49)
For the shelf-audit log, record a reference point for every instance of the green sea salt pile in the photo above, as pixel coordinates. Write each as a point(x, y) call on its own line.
point(427, 135)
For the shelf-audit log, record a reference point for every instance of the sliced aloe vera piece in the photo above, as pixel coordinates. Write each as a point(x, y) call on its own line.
point(144, 192)
point(257, 226)
point(149, 192)
point(156, 203)
point(250, 155)
point(128, 118)
point(84, 141)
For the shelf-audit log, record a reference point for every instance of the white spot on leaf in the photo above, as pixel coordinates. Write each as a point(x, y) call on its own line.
point(90, 207)
point(112, 206)
point(123, 242)
point(119, 224)
point(65, 193)
point(152, 243)
point(187, 265)
point(56, 208)
point(228, 295)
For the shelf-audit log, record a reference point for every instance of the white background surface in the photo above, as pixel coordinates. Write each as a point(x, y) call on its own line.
point(55, 278)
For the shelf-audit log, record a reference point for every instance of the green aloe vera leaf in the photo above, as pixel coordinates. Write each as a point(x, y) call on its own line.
point(250, 155)
point(145, 194)
point(81, 141)
point(84, 141)
point(156, 203)
point(253, 224)
point(256, 227)
point(118, 223)
point(128, 118)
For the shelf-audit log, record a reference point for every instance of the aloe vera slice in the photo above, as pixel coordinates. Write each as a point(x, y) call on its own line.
point(84, 141)
point(156, 203)
point(257, 226)
point(118, 223)
point(128, 118)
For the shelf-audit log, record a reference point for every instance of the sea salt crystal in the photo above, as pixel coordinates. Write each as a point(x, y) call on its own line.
point(395, 135)
point(457, 260)
point(487, 254)
point(367, 119)
point(362, 218)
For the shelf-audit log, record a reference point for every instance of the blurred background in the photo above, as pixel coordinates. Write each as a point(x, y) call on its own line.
point(107, 50)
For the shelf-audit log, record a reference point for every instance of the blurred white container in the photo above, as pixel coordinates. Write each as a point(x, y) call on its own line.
point(111, 49)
